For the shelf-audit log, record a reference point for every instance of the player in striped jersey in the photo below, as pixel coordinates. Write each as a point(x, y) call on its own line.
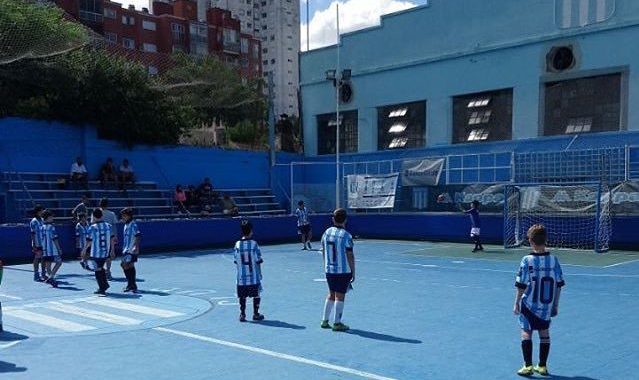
point(130, 249)
point(51, 252)
point(303, 225)
point(248, 260)
point(339, 265)
point(475, 224)
point(81, 231)
point(539, 281)
point(36, 242)
point(99, 247)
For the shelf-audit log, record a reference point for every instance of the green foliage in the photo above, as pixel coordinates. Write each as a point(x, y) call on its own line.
point(246, 132)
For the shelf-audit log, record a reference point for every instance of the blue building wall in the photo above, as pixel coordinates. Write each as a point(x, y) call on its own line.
point(40, 146)
point(455, 47)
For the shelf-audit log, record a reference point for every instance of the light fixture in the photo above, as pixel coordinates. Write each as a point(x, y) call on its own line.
point(397, 128)
point(330, 74)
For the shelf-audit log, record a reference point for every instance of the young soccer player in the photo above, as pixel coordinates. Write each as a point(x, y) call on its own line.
point(248, 260)
point(100, 239)
point(339, 265)
point(36, 242)
point(303, 225)
point(130, 249)
point(81, 231)
point(51, 252)
point(539, 281)
point(475, 224)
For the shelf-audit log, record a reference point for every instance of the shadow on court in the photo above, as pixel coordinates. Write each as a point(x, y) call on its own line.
point(559, 377)
point(384, 337)
point(7, 336)
point(280, 324)
point(123, 296)
point(10, 367)
point(153, 293)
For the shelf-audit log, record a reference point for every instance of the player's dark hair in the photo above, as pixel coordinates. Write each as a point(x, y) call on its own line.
point(246, 227)
point(300, 203)
point(339, 215)
point(97, 213)
point(475, 203)
point(104, 203)
point(537, 234)
point(37, 208)
point(127, 211)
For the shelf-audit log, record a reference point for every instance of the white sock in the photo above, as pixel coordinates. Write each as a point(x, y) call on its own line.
point(339, 309)
point(328, 308)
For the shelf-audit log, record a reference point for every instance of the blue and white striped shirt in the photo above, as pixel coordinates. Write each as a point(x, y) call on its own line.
point(540, 275)
point(131, 231)
point(99, 236)
point(49, 237)
point(247, 258)
point(81, 231)
point(336, 242)
point(36, 229)
point(302, 216)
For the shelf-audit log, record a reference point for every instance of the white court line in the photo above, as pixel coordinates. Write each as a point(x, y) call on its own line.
point(46, 320)
point(10, 344)
point(395, 262)
point(92, 314)
point(622, 263)
point(135, 308)
point(10, 297)
point(279, 355)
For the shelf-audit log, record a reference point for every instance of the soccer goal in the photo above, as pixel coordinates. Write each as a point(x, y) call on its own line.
point(576, 216)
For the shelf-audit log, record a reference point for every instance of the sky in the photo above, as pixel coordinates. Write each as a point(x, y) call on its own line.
point(354, 15)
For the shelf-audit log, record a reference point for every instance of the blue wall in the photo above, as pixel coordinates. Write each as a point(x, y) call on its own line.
point(39, 146)
point(455, 47)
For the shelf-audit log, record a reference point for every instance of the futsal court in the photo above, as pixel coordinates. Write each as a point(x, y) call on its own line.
point(418, 310)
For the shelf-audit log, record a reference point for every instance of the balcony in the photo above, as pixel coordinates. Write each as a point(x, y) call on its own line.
point(232, 47)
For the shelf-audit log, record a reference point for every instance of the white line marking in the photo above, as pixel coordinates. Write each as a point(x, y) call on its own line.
point(458, 262)
point(396, 262)
point(10, 344)
point(319, 279)
point(275, 354)
point(10, 297)
point(622, 263)
point(93, 314)
point(135, 308)
point(46, 320)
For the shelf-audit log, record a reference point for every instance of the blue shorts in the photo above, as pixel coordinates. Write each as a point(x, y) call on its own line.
point(339, 282)
point(304, 229)
point(529, 321)
point(244, 291)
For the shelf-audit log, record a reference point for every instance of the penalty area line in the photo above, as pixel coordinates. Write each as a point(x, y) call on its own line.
point(279, 355)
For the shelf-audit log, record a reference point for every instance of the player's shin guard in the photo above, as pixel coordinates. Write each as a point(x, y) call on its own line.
point(256, 305)
point(544, 350)
point(527, 349)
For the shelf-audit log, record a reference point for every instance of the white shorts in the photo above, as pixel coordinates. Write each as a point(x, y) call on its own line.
point(474, 231)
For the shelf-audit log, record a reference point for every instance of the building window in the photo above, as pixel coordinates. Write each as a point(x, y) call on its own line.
point(401, 126)
point(110, 13)
point(148, 25)
point(256, 51)
point(245, 45)
point(485, 116)
point(91, 10)
point(326, 128)
point(128, 20)
point(111, 37)
point(149, 48)
point(265, 62)
point(153, 70)
point(177, 33)
point(128, 43)
point(583, 105)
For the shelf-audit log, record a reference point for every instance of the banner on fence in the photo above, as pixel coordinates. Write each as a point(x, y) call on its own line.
point(372, 191)
point(625, 198)
point(424, 172)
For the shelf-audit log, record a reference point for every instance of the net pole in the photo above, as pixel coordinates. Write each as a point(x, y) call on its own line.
point(505, 211)
point(598, 220)
point(337, 122)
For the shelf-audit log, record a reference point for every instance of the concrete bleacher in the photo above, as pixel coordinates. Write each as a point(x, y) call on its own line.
point(25, 189)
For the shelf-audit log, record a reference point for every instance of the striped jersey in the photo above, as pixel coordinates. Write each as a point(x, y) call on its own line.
point(49, 237)
point(247, 258)
point(540, 276)
point(99, 236)
point(131, 231)
point(36, 230)
point(81, 231)
point(302, 216)
point(336, 242)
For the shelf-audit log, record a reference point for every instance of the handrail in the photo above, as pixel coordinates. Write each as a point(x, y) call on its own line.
point(21, 210)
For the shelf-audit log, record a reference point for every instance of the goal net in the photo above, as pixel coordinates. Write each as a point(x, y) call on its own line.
point(576, 216)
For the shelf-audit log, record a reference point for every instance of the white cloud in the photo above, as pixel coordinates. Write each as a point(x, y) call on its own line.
point(353, 15)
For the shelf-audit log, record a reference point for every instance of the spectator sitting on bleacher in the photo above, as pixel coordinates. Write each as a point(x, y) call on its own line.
point(107, 172)
point(81, 208)
point(180, 200)
point(206, 194)
point(191, 196)
point(228, 206)
point(79, 174)
point(126, 174)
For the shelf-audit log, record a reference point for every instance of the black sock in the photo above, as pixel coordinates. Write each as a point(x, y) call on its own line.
point(243, 305)
point(476, 241)
point(134, 285)
point(127, 274)
point(544, 350)
point(527, 349)
point(100, 277)
point(256, 305)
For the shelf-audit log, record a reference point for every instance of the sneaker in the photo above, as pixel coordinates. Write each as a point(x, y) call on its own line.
point(475, 250)
point(542, 370)
point(36, 277)
point(135, 291)
point(309, 246)
point(526, 371)
point(258, 317)
point(126, 289)
point(100, 292)
point(304, 247)
point(339, 326)
point(242, 317)
point(325, 325)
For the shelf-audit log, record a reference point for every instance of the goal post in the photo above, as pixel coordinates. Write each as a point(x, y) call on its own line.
point(576, 216)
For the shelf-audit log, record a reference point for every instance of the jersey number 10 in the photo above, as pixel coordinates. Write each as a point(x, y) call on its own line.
point(543, 291)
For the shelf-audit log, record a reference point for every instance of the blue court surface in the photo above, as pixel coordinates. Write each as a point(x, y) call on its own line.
point(419, 310)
